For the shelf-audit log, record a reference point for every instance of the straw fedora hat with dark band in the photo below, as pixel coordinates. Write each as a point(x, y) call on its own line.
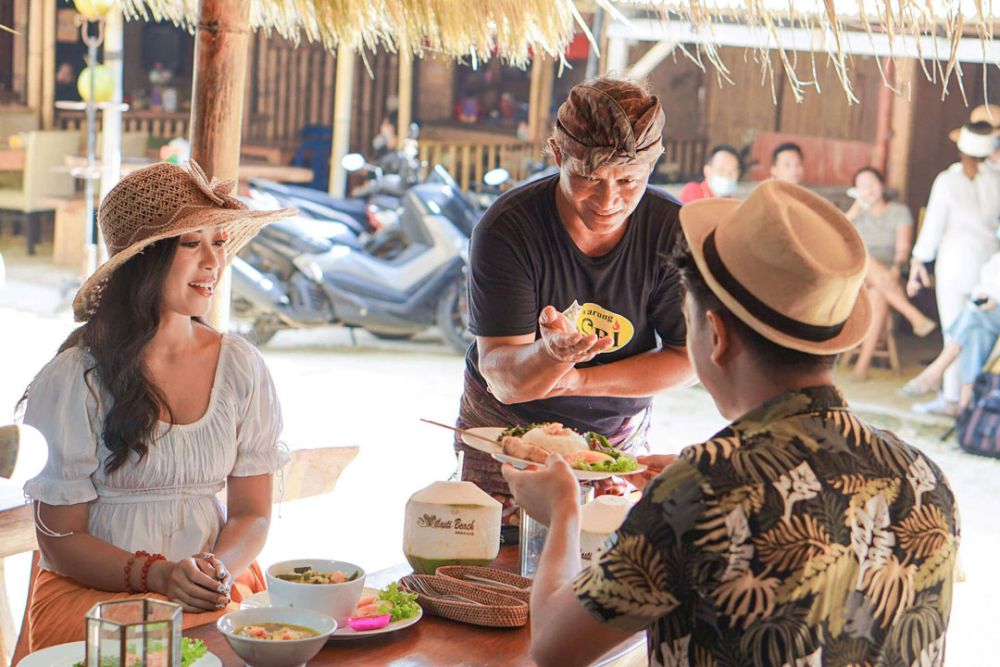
point(162, 201)
point(787, 263)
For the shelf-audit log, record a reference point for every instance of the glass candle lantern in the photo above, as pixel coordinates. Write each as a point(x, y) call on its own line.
point(532, 536)
point(136, 631)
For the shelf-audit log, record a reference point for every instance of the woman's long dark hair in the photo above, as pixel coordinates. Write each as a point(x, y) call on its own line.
point(116, 334)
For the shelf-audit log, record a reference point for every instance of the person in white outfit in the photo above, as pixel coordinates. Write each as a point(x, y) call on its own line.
point(972, 338)
point(959, 235)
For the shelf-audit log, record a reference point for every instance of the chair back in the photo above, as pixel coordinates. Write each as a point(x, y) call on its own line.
point(45, 174)
point(13, 121)
point(310, 472)
point(133, 144)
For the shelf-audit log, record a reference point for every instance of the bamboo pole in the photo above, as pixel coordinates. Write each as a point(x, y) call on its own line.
point(883, 130)
point(111, 124)
point(20, 62)
point(405, 95)
point(343, 102)
point(36, 19)
point(48, 102)
point(220, 55)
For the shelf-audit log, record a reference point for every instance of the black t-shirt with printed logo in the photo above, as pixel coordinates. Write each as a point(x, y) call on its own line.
point(523, 259)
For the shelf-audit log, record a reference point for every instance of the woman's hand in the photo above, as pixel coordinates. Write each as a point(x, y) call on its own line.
point(918, 278)
point(185, 583)
point(210, 564)
point(655, 464)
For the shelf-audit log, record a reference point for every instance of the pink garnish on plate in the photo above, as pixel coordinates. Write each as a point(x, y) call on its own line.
point(364, 623)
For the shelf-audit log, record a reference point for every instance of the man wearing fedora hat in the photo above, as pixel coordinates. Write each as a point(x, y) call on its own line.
point(959, 235)
point(797, 535)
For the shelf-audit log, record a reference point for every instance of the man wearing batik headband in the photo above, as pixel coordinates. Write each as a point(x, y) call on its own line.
point(577, 317)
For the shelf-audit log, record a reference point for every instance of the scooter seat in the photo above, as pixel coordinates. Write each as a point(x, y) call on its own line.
point(356, 208)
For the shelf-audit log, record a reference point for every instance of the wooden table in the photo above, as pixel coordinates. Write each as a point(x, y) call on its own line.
point(272, 172)
point(12, 159)
point(434, 641)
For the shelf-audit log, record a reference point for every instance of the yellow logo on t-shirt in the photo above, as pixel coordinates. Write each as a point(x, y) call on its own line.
point(591, 318)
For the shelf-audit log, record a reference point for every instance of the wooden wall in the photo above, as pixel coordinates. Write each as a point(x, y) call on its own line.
point(931, 150)
point(735, 113)
point(292, 86)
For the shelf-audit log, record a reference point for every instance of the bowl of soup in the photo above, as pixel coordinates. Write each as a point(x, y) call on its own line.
point(276, 636)
point(331, 587)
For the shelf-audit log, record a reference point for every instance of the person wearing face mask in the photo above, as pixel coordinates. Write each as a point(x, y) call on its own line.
point(959, 236)
point(989, 113)
point(887, 230)
point(722, 172)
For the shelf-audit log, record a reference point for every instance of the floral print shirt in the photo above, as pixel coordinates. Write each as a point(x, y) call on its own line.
point(798, 536)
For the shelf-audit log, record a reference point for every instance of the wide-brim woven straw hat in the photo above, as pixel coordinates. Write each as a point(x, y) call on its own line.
point(787, 263)
point(163, 201)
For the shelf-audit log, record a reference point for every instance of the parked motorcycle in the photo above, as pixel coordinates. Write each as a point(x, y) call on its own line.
point(302, 273)
point(373, 204)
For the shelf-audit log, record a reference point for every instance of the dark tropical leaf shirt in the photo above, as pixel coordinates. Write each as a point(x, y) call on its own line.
point(798, 536)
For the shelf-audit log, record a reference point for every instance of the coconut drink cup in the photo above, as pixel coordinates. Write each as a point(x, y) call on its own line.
point(599, 519)
point(451, 523)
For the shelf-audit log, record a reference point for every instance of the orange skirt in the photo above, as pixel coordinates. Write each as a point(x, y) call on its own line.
point(59, 604)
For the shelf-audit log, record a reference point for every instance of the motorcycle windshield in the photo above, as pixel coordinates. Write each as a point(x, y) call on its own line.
point(452, 203)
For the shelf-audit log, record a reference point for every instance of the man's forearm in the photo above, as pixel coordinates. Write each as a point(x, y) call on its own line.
point(520, 373)
point(639, 376)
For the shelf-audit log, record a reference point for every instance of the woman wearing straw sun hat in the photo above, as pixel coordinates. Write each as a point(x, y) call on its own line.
point(959, 235)
point(148, 413)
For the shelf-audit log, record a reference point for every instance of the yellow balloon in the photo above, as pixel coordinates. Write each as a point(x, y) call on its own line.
point(104, 83)
point(93, 10)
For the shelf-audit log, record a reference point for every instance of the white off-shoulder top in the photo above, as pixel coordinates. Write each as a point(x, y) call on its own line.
point(166, 502)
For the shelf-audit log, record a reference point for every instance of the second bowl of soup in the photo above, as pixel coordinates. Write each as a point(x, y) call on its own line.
point(331, 587)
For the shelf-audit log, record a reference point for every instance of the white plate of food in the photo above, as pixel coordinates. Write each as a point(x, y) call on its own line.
point(68, 655)
point(262, 599)
point(523, 446)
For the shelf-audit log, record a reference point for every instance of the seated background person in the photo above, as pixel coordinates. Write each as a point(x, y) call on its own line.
point(722, 173)
point(788, 163)
point(971, 339)
point(576, 317)
point(887, 230)
point(797, 535)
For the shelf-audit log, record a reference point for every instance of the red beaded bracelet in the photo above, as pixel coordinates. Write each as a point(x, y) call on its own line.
point(151, 558)
point(128, 569)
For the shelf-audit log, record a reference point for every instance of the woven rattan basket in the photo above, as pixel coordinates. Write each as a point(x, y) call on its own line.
point(494, 610)
point(461, 572)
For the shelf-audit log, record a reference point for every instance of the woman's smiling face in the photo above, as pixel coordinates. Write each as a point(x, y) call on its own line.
point(194, 272)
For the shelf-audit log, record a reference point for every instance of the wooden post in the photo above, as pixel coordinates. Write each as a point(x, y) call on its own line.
point(540, 97)
point(883, 129)
point(343, 102)
point(405, 95)
point(48, 102)
point(36, 19)
point(616, 55)
point(901, 137)
point(221, 48)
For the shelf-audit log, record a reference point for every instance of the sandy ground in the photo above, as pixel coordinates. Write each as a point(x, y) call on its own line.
point(335, 393)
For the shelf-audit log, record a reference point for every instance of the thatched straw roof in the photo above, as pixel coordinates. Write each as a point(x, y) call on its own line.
point(940, 33)
point(474, 29)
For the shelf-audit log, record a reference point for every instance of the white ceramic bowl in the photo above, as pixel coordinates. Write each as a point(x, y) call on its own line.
point(337, 601)
point(274, 653)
